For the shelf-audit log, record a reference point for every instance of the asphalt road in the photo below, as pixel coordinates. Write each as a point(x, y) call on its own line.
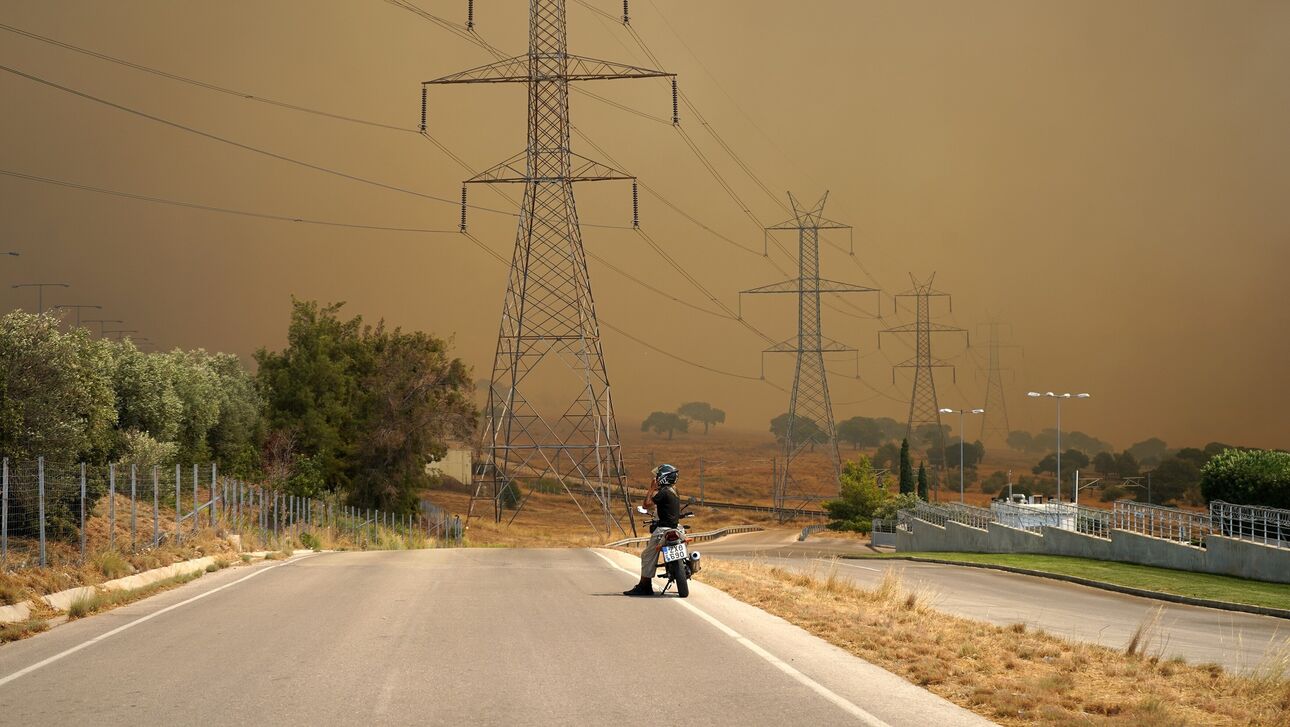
point(470, 636)
point(1236, 640)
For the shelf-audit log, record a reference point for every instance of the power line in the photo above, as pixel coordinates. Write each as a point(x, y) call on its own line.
point(240, 145)
point(200, 83)
point(212, 208)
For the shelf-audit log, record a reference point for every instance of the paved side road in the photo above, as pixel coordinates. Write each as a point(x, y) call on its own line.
point(470, 636)
point(1238, 641)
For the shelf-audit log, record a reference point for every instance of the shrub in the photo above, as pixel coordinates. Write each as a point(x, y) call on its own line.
point(310, 541)
point(1247, 477)
point(858, 525)
point(112, 565)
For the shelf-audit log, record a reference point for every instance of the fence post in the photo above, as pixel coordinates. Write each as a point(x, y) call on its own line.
point(112, 506)
point(194, 499)
point(134, 504)
point(156, 507)
point(212, 500)
point(4, 515)
point(82, 513)
point(40, 466)
point(178, 473)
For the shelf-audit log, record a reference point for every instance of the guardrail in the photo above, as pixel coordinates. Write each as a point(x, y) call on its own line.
point(1266, 525)
point(710, 535)
point(810, 530)
point(885, 525)
point(1161, 522)
point(970, 515)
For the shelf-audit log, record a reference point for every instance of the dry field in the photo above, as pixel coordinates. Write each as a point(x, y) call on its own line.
point(1014, 675)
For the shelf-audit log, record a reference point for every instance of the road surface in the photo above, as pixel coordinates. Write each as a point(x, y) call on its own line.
point(1238, 641)
point(466, 636)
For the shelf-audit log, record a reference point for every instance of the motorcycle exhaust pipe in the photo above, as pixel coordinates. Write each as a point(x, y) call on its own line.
point(694, 561)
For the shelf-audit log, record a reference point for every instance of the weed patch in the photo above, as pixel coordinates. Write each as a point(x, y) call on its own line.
point(103, 600)
point(22, 629)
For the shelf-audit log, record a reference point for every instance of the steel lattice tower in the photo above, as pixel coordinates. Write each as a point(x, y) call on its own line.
point(549, 412)
point(994, 423)
point(810, 413)
point(923, 406)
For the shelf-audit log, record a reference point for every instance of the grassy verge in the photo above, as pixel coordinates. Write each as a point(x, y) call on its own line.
point(1182, 583)
point(1012, 675)
point(22, 629)
point(103, 600)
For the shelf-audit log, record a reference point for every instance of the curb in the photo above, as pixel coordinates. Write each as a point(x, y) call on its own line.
point(1103, 585)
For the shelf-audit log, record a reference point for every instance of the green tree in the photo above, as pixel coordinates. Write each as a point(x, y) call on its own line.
point(861, 432)
point(887, 456)
point(922, 482)
point(1171, 479)
point(198, 390)
point(145, 396)
point(859, 494)
point(237, 439)
point(906, 469)
point(1072, 459)
point(805, 430)
point(1149, 452)
point(1020, 440)
point(1105, 464)
point(1247, 477)
point(703, 412)
point(56, 397)
point(665, 421)
point(1126, 465)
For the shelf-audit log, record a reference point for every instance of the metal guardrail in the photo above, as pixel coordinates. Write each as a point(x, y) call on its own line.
point(885, 525)
point(1266, 525)
point(1161, 522)
point(1031, 519)
point(710, 535)
point(810, 530)
point(970, 515)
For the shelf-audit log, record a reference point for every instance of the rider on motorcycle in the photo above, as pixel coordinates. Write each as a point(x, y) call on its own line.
point(662, 495)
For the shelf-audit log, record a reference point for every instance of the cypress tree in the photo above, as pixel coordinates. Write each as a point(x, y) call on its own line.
point(906, 469)
point(922, 481)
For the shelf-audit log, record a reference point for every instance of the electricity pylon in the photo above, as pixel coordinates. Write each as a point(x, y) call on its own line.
point(994, 423)
point(810, 413)
point(923, 406)
point(549, 413)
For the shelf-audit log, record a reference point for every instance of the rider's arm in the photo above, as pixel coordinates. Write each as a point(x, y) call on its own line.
point(649, 496)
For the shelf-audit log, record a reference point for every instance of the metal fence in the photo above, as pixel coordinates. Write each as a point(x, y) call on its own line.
point(1266, 525)
point(56, 514)
point(970, 515)
point(885, 525)
point(1161, 522)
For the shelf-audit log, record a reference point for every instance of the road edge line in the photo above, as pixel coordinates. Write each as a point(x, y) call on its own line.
point(1105, 586)
point(830, 695)
point(124, 627)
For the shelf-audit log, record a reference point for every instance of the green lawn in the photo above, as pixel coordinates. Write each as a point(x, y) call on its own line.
point(1183, 583)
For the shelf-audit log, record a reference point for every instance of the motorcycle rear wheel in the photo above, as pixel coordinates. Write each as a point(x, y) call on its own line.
point(676, 571)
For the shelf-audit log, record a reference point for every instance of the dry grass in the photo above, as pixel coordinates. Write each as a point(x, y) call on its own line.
point(103, 600)
point(22, 629)
point(1012, 675)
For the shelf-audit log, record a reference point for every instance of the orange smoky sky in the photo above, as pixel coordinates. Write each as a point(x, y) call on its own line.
point(1111, 179)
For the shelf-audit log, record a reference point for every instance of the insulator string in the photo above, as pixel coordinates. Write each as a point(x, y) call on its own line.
point(470, 14)
point(636, 218)
point(676, 118)
point(423, 109)
point(463, 208)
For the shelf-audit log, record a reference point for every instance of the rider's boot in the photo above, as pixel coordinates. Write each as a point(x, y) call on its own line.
point(644, 588)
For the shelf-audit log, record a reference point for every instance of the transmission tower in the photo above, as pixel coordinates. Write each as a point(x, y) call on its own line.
point(994, 423)
point(549, 413)
point(810, 414)
point(923, 406)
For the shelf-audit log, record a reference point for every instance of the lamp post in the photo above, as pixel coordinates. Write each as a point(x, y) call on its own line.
point(78, 310)
point(1058, 397)
point(102, 321)
point(40, 292)
point(961, 412)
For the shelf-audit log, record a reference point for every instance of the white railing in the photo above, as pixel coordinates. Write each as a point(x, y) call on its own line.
point(1266, 525)
point(1161, 522)
point(970, 515)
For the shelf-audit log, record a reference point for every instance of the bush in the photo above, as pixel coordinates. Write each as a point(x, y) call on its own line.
point(112, 565)
point(859, 525)
point(1247, 477)
point(310, 541)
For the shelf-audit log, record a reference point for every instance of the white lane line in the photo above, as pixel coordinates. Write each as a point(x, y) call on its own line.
point(832, 696)
point(86, 644)
point(850, 565)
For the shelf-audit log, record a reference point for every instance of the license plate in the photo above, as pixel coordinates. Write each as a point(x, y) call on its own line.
point(674, 552)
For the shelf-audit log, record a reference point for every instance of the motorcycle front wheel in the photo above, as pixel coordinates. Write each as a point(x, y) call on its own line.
point(676, 571)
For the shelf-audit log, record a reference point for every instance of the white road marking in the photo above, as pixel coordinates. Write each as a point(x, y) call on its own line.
point(832, 696)
point(86, 644)
point(851, 565)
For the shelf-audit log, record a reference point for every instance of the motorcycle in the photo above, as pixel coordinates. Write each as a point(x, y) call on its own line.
point(677, 561)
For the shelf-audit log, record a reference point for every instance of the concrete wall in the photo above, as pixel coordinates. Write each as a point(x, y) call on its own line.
point(1224, 556)
point(455, 464)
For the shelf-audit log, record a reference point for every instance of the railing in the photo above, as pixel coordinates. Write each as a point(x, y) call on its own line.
point(886, 525)
point(903, 518)
point(810, 530)
point(1092, 521)
point(934, 514)
point(1032, 518)
point(1266, 525)
point(977, 517)
point(1161, 522)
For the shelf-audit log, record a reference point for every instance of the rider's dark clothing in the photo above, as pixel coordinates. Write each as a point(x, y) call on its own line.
point(669, 507)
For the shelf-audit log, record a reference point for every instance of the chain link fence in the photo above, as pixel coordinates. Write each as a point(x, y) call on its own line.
point(55, 514)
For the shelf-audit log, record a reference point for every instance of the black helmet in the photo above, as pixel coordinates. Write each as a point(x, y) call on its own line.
point(666, 474)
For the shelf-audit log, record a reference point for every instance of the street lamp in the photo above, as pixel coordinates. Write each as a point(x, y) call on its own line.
point(40, 292)
point(1058, 397)
point(102, 321)
point(961, 412)
point(78, 310)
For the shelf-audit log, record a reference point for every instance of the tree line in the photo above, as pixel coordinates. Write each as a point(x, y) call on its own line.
point(345, 408)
